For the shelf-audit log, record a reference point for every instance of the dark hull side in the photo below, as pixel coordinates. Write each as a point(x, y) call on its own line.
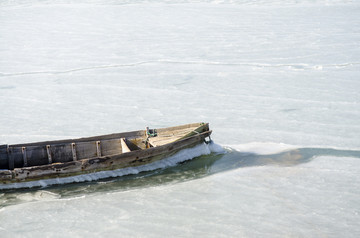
point(91, 165)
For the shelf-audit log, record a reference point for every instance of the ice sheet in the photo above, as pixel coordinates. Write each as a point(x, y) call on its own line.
point(265, 74)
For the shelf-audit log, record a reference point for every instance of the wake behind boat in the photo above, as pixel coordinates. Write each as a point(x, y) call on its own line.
point(64, 158)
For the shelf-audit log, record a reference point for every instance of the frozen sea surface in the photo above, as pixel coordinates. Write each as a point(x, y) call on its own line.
point(277, 80)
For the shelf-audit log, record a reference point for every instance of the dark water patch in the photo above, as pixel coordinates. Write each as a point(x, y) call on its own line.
point(235, 159)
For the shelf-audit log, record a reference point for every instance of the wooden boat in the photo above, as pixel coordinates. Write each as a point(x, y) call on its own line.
point(63, 158)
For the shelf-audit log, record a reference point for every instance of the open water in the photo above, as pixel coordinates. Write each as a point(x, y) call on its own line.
point(278, 81)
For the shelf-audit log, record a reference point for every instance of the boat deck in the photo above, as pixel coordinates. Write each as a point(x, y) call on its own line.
point(167, 137)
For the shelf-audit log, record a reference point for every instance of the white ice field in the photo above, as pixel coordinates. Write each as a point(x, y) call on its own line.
point(278, 81)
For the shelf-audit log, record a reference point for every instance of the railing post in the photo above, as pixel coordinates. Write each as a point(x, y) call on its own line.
point(48, 151)
point(10, 158)
point(98, 149)
point(73, 149)
point(23, 150)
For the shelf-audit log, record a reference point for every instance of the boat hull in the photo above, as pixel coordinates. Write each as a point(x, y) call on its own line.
point(103, 163)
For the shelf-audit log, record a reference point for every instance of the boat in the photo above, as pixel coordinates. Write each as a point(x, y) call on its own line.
point(72, 157)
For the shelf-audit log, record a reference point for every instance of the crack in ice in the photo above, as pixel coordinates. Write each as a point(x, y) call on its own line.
point(258, 65)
